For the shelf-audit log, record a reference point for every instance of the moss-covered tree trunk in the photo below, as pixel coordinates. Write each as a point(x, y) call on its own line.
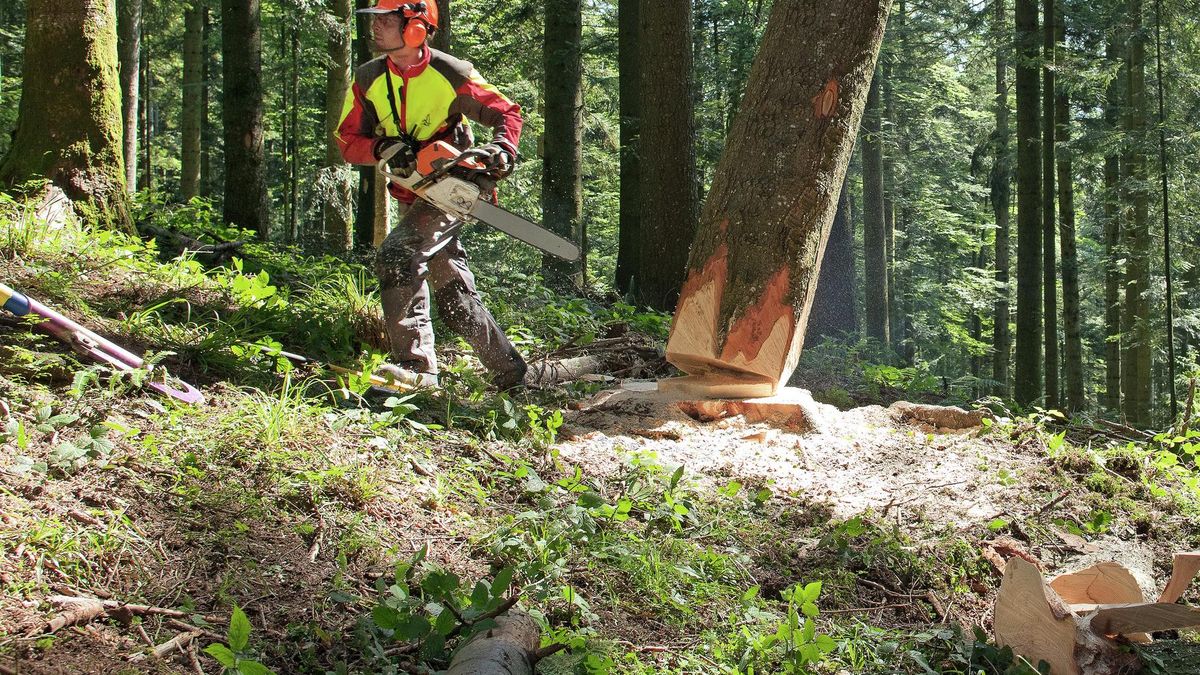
point(242, 112)
point(875, 259)
point(1027, 368)
point(193, 99)
point(629, 237)
point(337, 233)
point(69, 120)
point(562, 176)
point(129, 48)
point(1001, 191)
point(667, 172)
point(754, 265)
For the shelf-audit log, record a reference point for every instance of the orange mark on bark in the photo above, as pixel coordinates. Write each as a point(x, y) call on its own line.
point(826, 101)
point(750, 332)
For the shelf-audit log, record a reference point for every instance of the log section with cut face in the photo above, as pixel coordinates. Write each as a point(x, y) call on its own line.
point(752, 272)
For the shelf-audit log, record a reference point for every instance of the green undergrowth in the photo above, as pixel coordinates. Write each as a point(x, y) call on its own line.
point(312, 525)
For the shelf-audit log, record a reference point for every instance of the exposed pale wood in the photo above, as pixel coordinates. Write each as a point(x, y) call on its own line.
point(563, 370)
point(792, 409)
point(1143, 617)
point(1186, 567)
point(1035, 623)
point(508, 649)
point(1103, 584)
point(175, 644)
point(938, 417)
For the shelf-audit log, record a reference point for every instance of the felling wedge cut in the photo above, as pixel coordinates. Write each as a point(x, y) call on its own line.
point(1076, 632)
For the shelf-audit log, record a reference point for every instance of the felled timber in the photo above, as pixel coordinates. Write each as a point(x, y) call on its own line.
point(752, 271)
point(511, 648)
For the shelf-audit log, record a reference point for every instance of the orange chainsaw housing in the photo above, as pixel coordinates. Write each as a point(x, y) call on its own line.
point(434, 155)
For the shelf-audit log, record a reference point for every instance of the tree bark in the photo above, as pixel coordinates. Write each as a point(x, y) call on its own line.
point(1112, 245)
point(1137, 277)
point(441, 37)
point(629, 83)
point(365, 198)
point(207, 136)
point(1073, 339)
point(668, 196)
point(336, 232)
point(875, 262)
point(242, 108)
point(1049, 223)
point(193, 95)
point(129, 47)
point(753, 269)
point(70, 133)
point(562, 175)
point(1001, 190)
point(833, 312)
point(1027, 370)
point(895, 311)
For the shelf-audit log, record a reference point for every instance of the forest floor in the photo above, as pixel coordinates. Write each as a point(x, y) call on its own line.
point(647, 534)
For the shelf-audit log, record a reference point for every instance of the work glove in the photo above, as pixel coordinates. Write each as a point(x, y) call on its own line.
point(499, 162)
point(403, 162)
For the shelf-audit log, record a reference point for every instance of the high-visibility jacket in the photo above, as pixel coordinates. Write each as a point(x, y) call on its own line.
point(431, 99)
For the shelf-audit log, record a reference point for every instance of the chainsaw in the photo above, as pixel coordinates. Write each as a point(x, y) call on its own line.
point(93, 346)
point(444, 178)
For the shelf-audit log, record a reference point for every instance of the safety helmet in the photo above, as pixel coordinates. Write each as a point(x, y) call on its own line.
point(425, 11)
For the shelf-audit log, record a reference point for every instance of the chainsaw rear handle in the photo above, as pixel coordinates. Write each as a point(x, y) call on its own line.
point(439, 170)
point(92, 345)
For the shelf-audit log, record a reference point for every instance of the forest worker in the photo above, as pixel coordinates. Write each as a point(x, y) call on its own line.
point(414, 95)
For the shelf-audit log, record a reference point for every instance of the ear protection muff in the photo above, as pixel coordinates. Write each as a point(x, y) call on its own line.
point(415, 32)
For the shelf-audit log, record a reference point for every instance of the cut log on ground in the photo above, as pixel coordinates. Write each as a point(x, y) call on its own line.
point(938, 417)
point(511, 648)
point(1074, 622)
point(752, 272)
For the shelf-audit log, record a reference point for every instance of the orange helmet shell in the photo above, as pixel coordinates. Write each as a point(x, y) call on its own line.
point(426, 11)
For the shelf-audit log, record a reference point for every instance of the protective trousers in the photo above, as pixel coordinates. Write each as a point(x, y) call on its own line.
point(423, 251)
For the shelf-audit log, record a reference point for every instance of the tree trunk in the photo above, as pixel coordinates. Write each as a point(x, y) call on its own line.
point(441, 37)
point(895, 311)
point(1001, 193)
point(242, 108)
point(129, 47)
point(753, 269)
point(293, 138)
point(833, 312)
point(207, 137)
point(70, 133)
point(336, 233)
point(1027, 370)
point(562, 175)
point(1049, 223)
point(875, 261)
point(1073, 343)
point(629, 234)
point(193, 95)
point(146, 119)
point(1112, 245)
point(381, 209)
point(1137, 278)
point(365, 198)
point(668, 196)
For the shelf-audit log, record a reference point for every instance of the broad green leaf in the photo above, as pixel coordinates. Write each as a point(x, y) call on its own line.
point(502, 581)
point(221, 653)
point(253, 668)
point(239, 630)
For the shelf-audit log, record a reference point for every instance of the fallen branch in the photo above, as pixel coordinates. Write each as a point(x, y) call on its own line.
point(176, 643)
point(510, 648)
point(938, 417)
point(76, 611)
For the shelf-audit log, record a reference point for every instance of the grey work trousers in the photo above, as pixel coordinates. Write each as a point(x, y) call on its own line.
point(422, 251)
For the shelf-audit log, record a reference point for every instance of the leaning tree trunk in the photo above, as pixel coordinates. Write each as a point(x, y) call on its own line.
point(875, 259)
point(193, 99)
point(833, 305)
point(337, 232)
point(1073, 340)
point(1049, 223)
point(668, 196)
point(69, 120)
point(628, 83)
point(129, 47)
point(245, 180)
point(562, 176)
point(753, 268)
point(1001, 192)
point(1027, 371)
